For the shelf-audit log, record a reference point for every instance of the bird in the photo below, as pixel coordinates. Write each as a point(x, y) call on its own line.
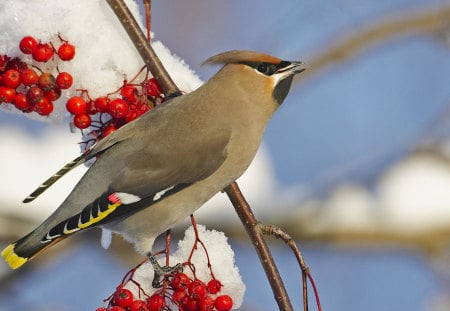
point(155, 171)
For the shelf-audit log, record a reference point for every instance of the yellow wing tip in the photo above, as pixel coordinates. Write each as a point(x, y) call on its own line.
point(13, 260)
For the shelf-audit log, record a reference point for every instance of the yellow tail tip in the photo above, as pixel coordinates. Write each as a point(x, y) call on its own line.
point(13, 260)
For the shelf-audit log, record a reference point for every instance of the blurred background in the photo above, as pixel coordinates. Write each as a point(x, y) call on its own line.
point(355, 165)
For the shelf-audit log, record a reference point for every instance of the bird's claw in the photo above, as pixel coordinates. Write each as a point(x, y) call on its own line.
point(160, 271)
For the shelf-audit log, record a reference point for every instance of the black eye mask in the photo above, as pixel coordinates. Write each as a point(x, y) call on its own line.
point(265, 68)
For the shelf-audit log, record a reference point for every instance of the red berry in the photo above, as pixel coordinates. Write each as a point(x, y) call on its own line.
point(21, 102)
point(214, 286)
point(132, 114)
point(64, 80)
point(129, 93)
point(82, 121)
point(46, 81)
point(90, 108)
point(44, 107)
point(180, 297)
point(155, 302)
point(197, 289)
point(43, 52)
point(35, 94)
point(16, 63)
point(108, 129)
point(11, 78)
point(7, 94)
point(143, 108)
point(207, 304)
point(66, 51)
point(101, 309)
point(117, 308)
point(180, 281)
point(223, 303)
point(76, 105)
point(122, 297)
point(118, 108)
point(138, 305)
point(152, 88)
point(102, 103)
point(192, 305)
point(28, 44)
point(29, 77)
point(53, 94)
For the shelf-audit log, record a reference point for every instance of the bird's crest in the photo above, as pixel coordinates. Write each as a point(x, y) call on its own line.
point(241, 56)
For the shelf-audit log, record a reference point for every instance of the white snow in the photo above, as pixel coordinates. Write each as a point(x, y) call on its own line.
point(105, 56)
point(221, 258)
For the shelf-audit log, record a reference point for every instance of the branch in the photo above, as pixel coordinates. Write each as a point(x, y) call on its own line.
point(242, 208)
point(256, 235)
point(147, 53)
point(427, 22)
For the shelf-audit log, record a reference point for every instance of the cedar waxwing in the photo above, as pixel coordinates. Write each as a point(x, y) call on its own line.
point(153, 172)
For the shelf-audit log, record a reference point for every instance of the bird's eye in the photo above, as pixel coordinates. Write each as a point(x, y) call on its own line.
point(263, 68)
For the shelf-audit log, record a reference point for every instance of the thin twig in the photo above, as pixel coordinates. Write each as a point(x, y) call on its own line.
point(280, 234)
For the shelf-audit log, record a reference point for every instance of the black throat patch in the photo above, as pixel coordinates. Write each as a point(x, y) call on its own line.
point(282, 89)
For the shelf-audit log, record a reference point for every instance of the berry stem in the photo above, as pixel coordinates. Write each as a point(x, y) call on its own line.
point(198, 240)
point(61, 38)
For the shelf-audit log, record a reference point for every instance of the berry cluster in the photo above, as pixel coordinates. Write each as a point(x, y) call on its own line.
point(193, 295)
point(110, 112)
point(29, 88)
point(179, 290)
point(123, 300)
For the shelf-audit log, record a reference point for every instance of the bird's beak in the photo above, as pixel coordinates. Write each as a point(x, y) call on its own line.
point(293, 68)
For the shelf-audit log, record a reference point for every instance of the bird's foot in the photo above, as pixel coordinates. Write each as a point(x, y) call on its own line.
point(160, 271)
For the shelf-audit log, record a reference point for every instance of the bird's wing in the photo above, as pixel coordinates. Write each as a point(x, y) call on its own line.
point(120, 135)
point(108, 207)
point(135, 188)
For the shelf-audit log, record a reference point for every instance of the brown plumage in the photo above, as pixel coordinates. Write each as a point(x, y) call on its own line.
point(160, 168)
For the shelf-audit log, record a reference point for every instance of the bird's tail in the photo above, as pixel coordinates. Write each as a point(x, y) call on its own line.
point(50, 181)
point(18, 253)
